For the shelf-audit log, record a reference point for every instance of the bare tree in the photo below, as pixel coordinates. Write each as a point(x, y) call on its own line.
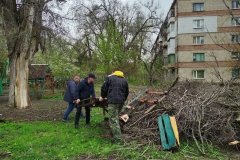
point(154, 57)
point(137, 24)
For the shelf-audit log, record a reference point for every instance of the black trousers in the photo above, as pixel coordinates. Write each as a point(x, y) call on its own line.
point(79, 112)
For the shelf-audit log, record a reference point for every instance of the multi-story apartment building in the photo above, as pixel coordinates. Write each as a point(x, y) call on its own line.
point(202, 40)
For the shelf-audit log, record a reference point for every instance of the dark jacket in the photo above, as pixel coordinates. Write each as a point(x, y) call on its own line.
point(85, 90)
point(116, 90)
point(71, 93)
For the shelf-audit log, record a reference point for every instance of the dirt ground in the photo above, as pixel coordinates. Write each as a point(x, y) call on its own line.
point(41, 110)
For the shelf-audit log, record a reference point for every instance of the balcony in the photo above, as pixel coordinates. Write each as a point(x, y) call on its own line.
point(171, 13)
point(170, 61)
point(171, 16)
point(171, 19)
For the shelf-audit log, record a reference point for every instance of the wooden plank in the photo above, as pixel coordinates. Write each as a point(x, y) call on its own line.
point(158, 93)
point(169, 131)
point(175, 129)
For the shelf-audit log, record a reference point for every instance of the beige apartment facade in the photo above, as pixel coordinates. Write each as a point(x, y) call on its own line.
point(203, 40)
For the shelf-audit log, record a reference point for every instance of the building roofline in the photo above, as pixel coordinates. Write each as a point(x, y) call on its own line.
point(173, 3)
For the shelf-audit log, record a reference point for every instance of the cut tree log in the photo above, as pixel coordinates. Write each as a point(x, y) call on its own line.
point(125, 118)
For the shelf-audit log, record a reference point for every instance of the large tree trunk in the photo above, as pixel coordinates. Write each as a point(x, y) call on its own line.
point(21, 86)
point(18, 93)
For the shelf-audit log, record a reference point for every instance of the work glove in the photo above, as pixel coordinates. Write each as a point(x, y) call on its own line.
point(100, 99)
point(77, 101)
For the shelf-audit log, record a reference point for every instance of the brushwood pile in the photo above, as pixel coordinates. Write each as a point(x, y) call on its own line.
point(204, 113)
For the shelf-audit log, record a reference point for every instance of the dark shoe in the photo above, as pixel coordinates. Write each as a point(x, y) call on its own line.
point(76, 126)
point(106, 119)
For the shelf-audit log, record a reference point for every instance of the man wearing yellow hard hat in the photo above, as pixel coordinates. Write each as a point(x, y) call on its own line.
point(115, 89)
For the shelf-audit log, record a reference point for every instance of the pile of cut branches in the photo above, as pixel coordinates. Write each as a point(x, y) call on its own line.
point(205, 112)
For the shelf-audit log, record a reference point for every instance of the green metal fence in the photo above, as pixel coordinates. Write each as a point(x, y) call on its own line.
point(3, 75)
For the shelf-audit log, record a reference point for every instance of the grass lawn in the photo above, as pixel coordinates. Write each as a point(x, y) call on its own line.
point(58, 140)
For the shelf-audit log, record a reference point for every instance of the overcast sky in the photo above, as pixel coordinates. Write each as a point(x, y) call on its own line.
point(165, 4)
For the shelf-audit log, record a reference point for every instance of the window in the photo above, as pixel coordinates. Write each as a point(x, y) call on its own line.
point(171, 59)
point(236, 55)
point(236, 73)
point(198, 57)
point(198, 40)
point(236, 21)
point(236, 38)
point(198, 24)
point(235, 4)
point(198, 7)
point(198, 74)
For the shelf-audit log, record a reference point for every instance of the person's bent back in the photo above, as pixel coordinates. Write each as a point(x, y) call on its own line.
point(115, 88)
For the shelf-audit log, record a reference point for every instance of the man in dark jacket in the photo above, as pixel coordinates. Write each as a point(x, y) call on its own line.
point(115, 89)
point(85, 91)
point(71, 95)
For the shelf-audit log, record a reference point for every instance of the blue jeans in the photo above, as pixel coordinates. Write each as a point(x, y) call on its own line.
point(68, 111)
